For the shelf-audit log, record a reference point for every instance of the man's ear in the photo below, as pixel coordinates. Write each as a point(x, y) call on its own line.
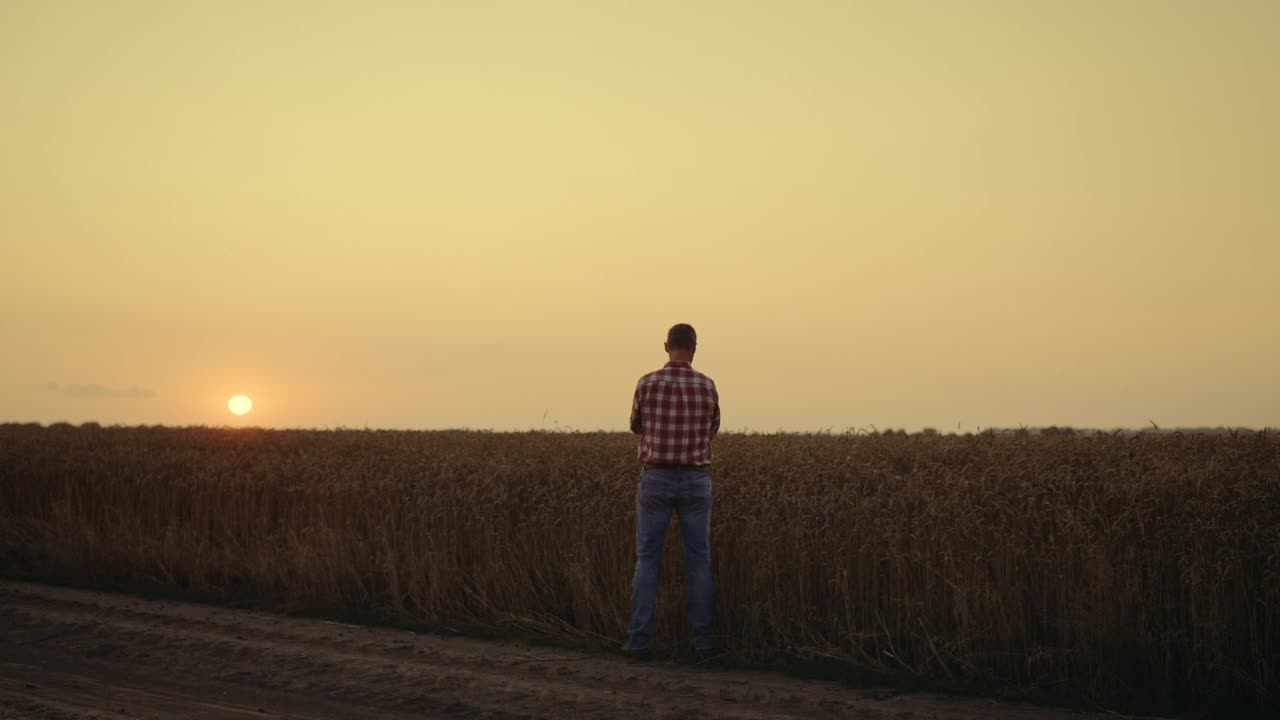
point(666, 346)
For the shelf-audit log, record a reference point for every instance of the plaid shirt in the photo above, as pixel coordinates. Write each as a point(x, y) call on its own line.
point(676, 413)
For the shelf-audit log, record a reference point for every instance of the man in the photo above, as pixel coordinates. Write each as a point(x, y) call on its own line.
point(676, 413)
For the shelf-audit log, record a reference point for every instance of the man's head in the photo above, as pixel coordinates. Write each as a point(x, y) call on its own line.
point(682, 342)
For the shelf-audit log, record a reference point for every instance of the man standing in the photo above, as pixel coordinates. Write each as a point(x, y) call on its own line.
point(675, 413)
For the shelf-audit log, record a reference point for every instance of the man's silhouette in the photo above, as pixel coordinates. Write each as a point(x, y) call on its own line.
point(676, 414)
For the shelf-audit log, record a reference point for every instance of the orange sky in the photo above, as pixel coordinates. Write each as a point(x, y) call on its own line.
point(415, 214)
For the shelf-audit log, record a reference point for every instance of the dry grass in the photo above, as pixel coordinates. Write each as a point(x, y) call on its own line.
point(1116, 567)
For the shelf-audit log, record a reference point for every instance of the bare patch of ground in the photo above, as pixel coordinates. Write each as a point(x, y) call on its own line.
point(73, 654)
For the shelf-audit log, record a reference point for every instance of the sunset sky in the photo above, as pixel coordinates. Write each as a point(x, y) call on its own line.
point(486, 214)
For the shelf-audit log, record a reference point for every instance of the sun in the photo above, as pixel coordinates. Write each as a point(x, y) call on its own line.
point(240, 404)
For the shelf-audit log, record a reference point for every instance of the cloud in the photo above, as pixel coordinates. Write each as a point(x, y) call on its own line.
point(93, 390)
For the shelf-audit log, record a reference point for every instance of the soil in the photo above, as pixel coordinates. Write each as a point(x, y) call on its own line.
point(72, 654)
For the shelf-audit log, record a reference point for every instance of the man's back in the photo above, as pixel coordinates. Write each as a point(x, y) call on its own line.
point(676, 413)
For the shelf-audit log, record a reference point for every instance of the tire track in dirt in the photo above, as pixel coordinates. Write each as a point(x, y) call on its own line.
point(75, 654)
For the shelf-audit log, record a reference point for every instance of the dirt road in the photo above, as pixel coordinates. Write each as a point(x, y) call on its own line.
point(74, 654)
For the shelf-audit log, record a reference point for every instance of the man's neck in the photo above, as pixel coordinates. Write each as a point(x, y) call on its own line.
point(680, 357)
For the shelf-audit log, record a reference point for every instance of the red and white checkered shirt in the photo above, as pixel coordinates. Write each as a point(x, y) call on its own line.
point(676, 413)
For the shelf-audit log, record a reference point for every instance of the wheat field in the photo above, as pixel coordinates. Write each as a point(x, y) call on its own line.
point(1115, 568)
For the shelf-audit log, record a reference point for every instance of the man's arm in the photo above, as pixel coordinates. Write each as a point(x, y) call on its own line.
point(637, 426)
point(715, 411)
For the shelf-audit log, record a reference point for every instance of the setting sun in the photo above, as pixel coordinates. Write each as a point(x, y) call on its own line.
point(240, 404)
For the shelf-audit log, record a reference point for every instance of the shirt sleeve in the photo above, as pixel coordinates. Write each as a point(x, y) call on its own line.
point(637, 426)
point(715, 411)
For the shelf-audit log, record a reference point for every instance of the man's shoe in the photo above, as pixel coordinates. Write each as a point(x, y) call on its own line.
point(635, 653)
point(707, 656)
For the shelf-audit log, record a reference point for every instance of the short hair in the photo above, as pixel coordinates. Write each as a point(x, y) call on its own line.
point(683, 336)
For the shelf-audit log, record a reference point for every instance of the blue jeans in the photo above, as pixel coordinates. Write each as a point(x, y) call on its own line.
point(688, 493)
